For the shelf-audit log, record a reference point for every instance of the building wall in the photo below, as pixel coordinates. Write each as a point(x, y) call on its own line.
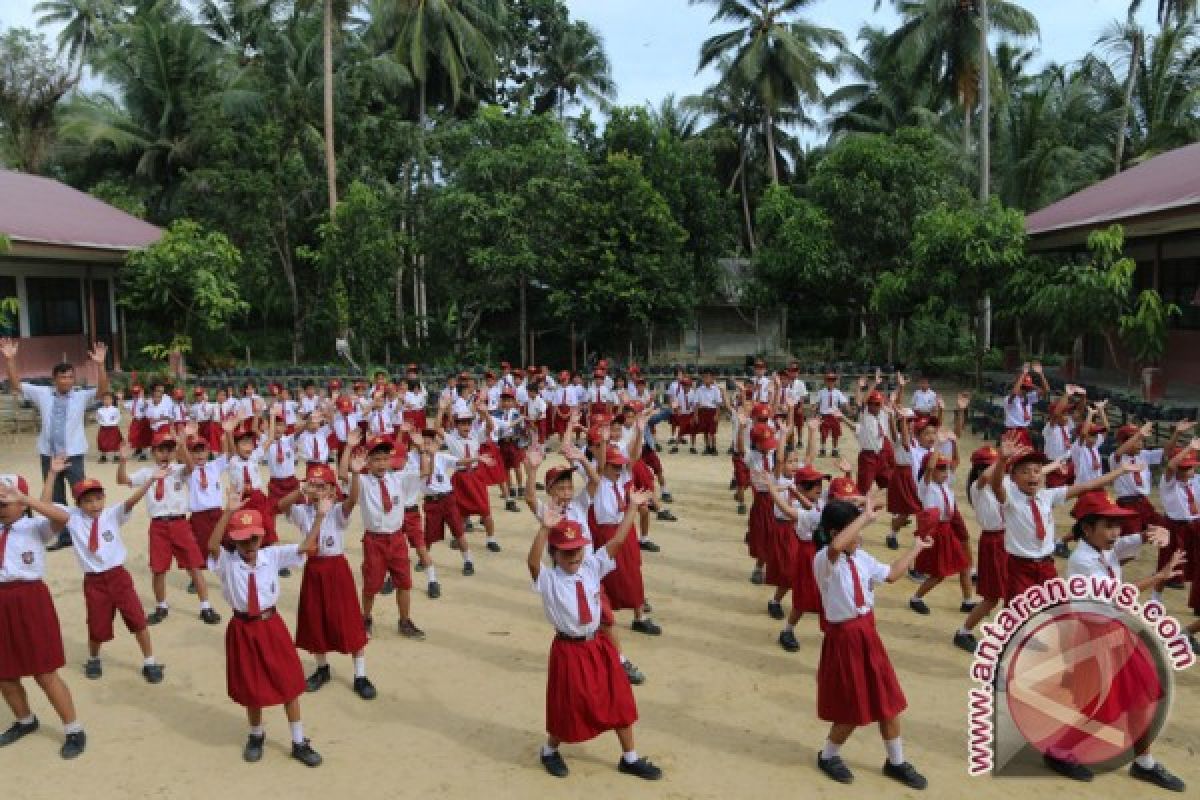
point(726, 334)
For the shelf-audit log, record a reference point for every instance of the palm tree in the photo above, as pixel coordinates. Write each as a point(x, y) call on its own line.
point(778, 56)
point(576, 65)
point(32, 83)
point(85, 24)
point(675, 118)
point(1168, 10)
point(883, 95)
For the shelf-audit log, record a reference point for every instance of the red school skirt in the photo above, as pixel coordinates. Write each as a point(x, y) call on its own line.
point(213, 433)
point(686, 424)
point(1146, 515)
point(441, 513)
point(856, 684)
point(741, 473)
point(643, 476)
point(991, 564)
point(872, 469)
point(830, 426)
point(278, 488)
point(470, 492)
point(623, 585)
point(587, 692)
point(108, 439)
point(261, 665)
point(202, 524)
point(105, 594)
point(762, 517)
point(650, 457)
point(706, 421)
point(140, 433)
point(494, 474)
point(781, 553)
point(329, 617)
point(947, 556)
point(902, 496)
point(562, 417)
point(806, 595)
point(30, 637)
point(511, 456)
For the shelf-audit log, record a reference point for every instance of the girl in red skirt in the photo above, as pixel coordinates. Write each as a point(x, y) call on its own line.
point(856, 684)
point(781, 544)
point(108, 427)
point(466, 443)
point(991, 562)
point(30, 637)
point(140, 432)
point(761, 459)
point(245, 473)
point(610, 501)
point(937, 522)
point(587, 692)
point(329, 617)
point(1125, 686)
point(261, 665)
point(915, 438)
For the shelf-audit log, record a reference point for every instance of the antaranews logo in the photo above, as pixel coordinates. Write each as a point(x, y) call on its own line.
point(1075, 669)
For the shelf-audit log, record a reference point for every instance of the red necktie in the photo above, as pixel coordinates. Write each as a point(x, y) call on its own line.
point(203, 478)
point(278, 452)
point(159, 488)
point(1028, 413)
point(860, 598)
point(247, 484)
point(621, 502)
point(320, 459)
point(387, 498)
point(585, 610)
point(946, 502)
point(1095, 458)
point(1037, 519)
point(1187, 489)
point(1107, 568)
point(94, 536)
point(1062, 430)
point(252, 607)
point(3, 542)
point(1137, 478)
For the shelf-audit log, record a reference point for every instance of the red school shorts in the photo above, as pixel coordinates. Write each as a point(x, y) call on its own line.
point(385, 554)
point(106, 594)
point(173, 538)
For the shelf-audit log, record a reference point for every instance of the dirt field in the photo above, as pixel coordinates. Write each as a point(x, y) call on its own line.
point(725, 712)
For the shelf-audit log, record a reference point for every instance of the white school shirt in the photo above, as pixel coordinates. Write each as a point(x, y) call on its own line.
point(1139, 483)
point(1018, 410)
point(111, 551)
point(174, 502)
point(332, 541)
point(505, 424)
point(108, 416)
point(607, 505)
point(209, 497)
point(234, 574)
point(560, 598)
point(536, 407)
point(137, 407)
point(309, 404)
point(160, 414)
point(830, 400)
point(343, 424)
point(808, 519)
point(580, 392)
point(1088, 561)
point(762, 389)
point(313, 446)
point(370, 488)
point(786, 485)
point(1088, 463)
point(576, 511)
point(415, 401)
point(597, 395)
point(1020, 530)
point(924, 401)
point(229, 408)
point(493, 396)
point(756, 460)
point(563, 396)
point(1175, 500)
point(247, 405)
point(281, 457)
point(836, 583)
point(24, 556)
point(379, 422)
point(708, 396)
point(932, 497)
point(987, 508)
point(796, 391)
point(871, 431)
point(466, 447)
point(444, 465)
point(1057, 440)
point(241, 468)
point(686, 398)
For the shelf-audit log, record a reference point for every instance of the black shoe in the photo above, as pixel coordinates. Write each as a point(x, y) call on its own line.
point(434, 590)
point(388, 587)
point(671, 441)
point(646, 626)
point(649, 546)
point(892, 542)
point(285, 573)
point(692, 450)
point(368, 623)
point(634, 674)
point(666, 516)
point(906, 773)
point(1158, 775)
point(667, 498)
point(17, 731)
point(974, 578)
point(1068, 769)
point(539, 486)
point(468, 526)
point(967, 606)
point(156, 616)
point(555, 765)
point(408, 630)
point(741, 509)
point(774, 610)
point(468, 568)
point(103, 459)
point(788, 641)
point(642, 768)
point(304, 753)
point(918, 605)
point(63, 540)
point(833, 453)
point(191, 587)
point(835, 768)
point(658, 448)
point(253, 751)
point(364, 688)
point(821, 452)
point(153, 673)
point(511, 505)
point(319, 678)
point(1194, 642)
point(1061, 550)
point(756, 577)
point(493, 546)
point(93, 669)
point(209, 616)
point(1175, 584)
point(141, 456)
point(965, 641)
point(673, 450)
point(733, 484)
point(74, 745)
point(512, 492)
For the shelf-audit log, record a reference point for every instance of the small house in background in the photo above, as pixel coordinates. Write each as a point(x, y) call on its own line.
point(723, 331)
point(1158, 205)
point(65, 248)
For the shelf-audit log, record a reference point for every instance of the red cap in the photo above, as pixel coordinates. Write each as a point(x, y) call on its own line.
point(763, 437)
point(1188, 462)
point(761, 411)
point(934, 459)
point(1127, 432)
point(245, 433)
point(985, 455)
point(199, 391)
point(556, 474)
point(84, 486)
point(842, 488)
point(245, 524)
point(334, 385)
point(162, 437)
point(615, 458)
point(135, 389)
point(344, 405)
point(921, 423)
point(509, 393)
point(1094, 430)
point(685, 381)
point(597, 373)
point(807, 474)
point(177, 393)
point(320, 472)
point(1097, 503)
point(875, 397)
point(379, 443)
point(1026, 382)
point(640, 380)
point(567, 534)
point(1035, 456)
point(635, 370)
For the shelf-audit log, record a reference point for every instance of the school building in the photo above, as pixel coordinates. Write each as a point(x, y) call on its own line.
point(64, 250)
point(1158, 205)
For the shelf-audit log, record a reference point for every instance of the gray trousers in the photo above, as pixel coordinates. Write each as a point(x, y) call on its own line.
point(72, 475)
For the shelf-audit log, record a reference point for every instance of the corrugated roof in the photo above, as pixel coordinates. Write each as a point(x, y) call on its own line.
point(1165, 183)
point(40, 210)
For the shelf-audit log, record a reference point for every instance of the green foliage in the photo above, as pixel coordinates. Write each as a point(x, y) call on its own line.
point(1144, 330)
point(32, 83)
point(797, 257)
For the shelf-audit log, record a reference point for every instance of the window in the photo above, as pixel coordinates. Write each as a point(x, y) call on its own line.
point(1179, 283)
point(55, 307)
point(10, 320)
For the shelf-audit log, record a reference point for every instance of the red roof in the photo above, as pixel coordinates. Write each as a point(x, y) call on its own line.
point(43, 211)
point(1166, 183)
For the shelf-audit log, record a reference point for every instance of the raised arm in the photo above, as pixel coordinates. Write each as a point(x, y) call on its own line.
point(357, 463)
point(98, 356)
point(140, 492)
point(56, 514)
point(122, 460)
point(58, 465)
point(1076, 489)
point(637, 501)
point(8, 348)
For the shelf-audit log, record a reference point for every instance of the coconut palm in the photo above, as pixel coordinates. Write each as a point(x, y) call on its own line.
point(85, 25)
point(1169, 10)
point(575, 66)
point(778, 55)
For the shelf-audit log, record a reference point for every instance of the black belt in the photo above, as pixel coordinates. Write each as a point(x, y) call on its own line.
point(265, 615)
point(170, 518)
point(568, 638)
point(436, 497)
point(1041, 560)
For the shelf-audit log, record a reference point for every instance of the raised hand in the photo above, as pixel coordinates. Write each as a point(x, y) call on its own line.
point(1185, 425)
point(191, 429)
point(1010, 448)
point(8, 348)
point(639, 498)
point(862, 383)
point(125, 452)
point(58, 463)
point(9, 493)
point(964, 401)
point(1157, 536)
point(358, 461)
point(901, 381)
point(551, 516)
point(1037, 368)
point(571, 452)
point(844, 466)
point(233, 499)
point(1131, 467)
point(325, 503)
point(354, 437)
point(417, 439)
point(162, 473)
point(1173, 568)
point(487, 460)
point(535, 455)
point(230, 425)
point(99, 353)
point(922, 543)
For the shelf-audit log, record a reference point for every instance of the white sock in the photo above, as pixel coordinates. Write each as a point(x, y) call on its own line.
point(631, 757)
point(963, 632)
point(491, 538)
point(162, 604)
point(547, 750)
point(298, 732)
point(360, 666)
point(431, 573)
point(322, 659)
point(148, 661)
point(205, 605)
point(916, 598)
point(891, 534)
point(73, 727)
point(621, 656)
point(1145, 761)
point(830, 750)
point(28, 720)
point(466, 557)
point(789, 627)
point(257, 730)
point(895, 751)
point(1156, 596)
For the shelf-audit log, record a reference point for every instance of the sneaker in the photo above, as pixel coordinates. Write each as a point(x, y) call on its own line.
point(1061, 550)
point(821, 453)
point(285, 573)
point(468, 568)
point(741, 509)
point(364, 688)
point(319, 678)
point(967, 606)
point(633, 673)
point(835, 768)
point(1068, 768)
point(156, 616)
point(555, 765)
point(191, 587)
point(918, 605)
point(756, 576)
point(511, 505)
point(410, 631)
point(368, 623)
point(493, 546)
point(209, 616)
point(666, 516)
point(667, 498)
point(642, 768)
point(93, 669)
point(774, 610)
point(788, 641)
point(389, 587)
point(1158, 775)
point(74, 745)
point(153, 673)
point(648, 546)
point(892, 542)
point(833, 453)
point(965, 641)
point(733, 484)
point(434, 590)
point(692, 450)
point(304, 753)
point(905, 773)
point(468, 526)
point(17, 731)
point(646, 626)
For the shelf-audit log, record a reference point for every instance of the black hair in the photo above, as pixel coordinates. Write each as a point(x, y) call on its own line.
point(808, 485)
point(836, 515)
point(61, 368)
point(1077, 529)
point(309, 385)
point(972, 476)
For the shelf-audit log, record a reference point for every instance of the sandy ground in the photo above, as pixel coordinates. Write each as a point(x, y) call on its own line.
point(724, 711)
